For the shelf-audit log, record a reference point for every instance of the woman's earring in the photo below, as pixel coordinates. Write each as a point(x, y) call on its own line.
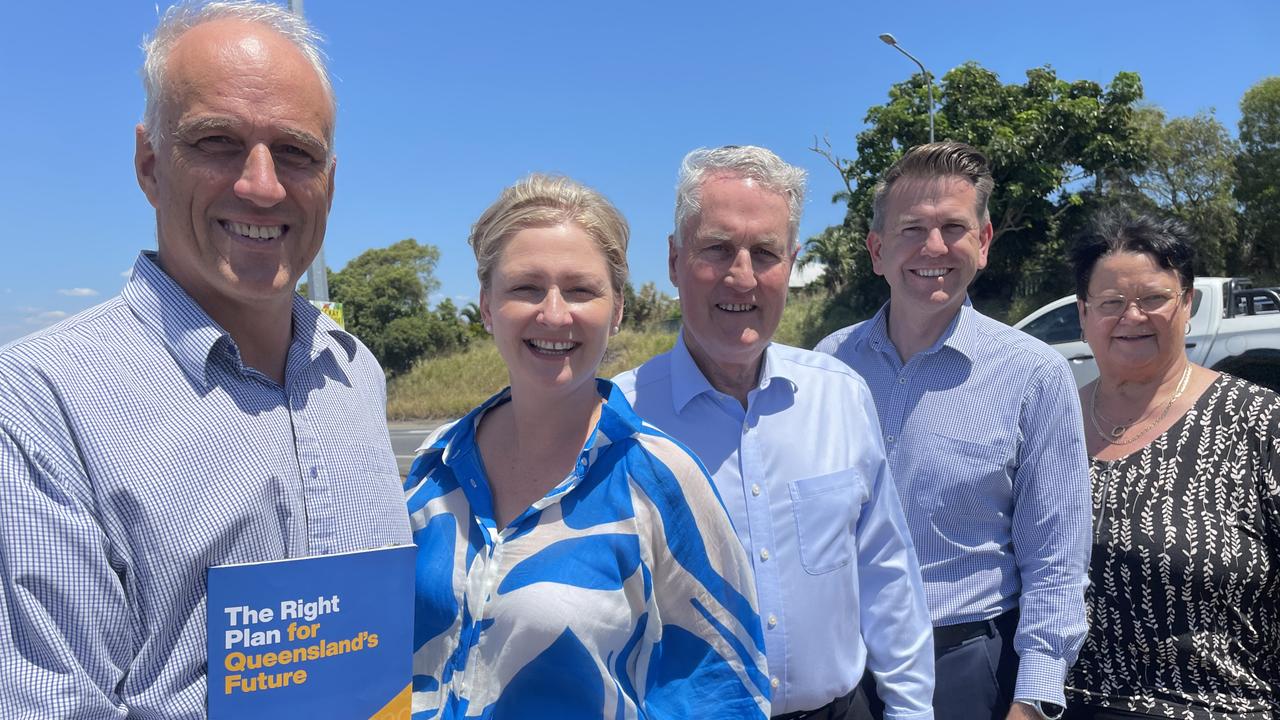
point(616, 329)
point(1188, 330)
point(1083, 339)
point(488, 328)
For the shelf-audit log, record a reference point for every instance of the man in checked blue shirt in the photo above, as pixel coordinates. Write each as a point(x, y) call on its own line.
point(985, 439)
point(206, 415)
point(791, 440)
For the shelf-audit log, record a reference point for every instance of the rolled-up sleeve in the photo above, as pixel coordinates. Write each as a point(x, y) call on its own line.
point(1051, 528)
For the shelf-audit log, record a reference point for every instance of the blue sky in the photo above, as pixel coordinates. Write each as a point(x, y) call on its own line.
point(443, 104)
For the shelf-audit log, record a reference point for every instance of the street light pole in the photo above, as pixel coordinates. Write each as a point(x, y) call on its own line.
point(889, 39)
point(317, 276)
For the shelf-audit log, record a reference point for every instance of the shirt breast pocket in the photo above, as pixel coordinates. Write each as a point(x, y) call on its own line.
point(972, 479)
point(826, 511)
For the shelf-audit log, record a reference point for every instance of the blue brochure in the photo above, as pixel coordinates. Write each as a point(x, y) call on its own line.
point(318, 637)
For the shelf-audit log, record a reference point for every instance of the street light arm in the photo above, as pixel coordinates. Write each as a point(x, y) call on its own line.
point(928, 78)
point(913, 59)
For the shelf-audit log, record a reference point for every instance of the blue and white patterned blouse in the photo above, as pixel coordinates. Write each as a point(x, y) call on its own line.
point(623, 593)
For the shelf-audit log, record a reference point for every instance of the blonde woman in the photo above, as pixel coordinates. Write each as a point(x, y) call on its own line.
point(573, 562)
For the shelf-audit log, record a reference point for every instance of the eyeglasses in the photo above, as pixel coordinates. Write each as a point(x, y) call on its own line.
point(1117, 305)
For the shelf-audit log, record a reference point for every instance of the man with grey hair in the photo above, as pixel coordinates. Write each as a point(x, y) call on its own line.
point(985, 438)
point(791, 441)
point(207, 415)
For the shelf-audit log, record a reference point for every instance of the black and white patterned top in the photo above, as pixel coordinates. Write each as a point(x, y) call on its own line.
point(1184, 605)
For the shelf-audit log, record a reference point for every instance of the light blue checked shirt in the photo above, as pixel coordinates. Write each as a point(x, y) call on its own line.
point(802, 471)
point(621, 594)
point(986, 442)
point(136, 451)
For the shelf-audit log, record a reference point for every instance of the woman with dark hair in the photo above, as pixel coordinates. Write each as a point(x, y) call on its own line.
point(1184, 599)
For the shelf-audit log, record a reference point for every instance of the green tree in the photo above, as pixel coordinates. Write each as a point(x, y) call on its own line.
point(449, 329)
point(475, 322)
point(1190, 173)
point(383, 284)
point(841, 251)
point(1049, 140)
point(1258, 169)
point(407, 339)
point(402, 342)
point(384, 295)
point(648, 307)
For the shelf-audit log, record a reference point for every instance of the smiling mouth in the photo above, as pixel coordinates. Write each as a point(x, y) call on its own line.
point(551, 347)
point(261, 233)
point(735, 307)
point(931, 272)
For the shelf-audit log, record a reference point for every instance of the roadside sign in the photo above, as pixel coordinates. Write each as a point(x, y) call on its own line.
point(333, 310)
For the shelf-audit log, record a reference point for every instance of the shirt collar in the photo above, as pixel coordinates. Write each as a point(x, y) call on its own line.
point(167, 310)
point(959, 334)
point(617, 421)
point(191, 336)
point(458, 444)
point(688, 382)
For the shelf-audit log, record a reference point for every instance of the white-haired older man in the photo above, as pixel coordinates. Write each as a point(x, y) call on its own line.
point(791, 440)
point(207, 414)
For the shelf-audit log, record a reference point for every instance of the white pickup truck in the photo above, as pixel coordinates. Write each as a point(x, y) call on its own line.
point(1235, 328)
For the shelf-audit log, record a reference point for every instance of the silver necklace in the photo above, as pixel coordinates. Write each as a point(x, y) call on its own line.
point(1117, 430)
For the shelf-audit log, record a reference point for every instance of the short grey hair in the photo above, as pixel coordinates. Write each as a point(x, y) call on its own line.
point(184, 16)
point(743, 161)
point(936, 160)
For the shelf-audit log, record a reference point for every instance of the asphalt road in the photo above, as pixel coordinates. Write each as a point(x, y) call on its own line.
point(405, 439)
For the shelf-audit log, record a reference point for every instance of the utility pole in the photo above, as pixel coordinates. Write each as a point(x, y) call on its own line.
point(317, 276)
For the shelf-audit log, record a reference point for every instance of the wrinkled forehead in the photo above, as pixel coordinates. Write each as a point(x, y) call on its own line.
point(249, 66)
point(732, 204)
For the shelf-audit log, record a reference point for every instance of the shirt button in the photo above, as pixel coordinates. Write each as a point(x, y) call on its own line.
point(473, 481)
point(773, 621)
point(764, 554)
point(774, 683)
point(314, 472)
point(755, 490)
point(902, 380)
point(888, 438)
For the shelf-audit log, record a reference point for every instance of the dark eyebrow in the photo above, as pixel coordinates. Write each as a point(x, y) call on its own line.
point(202, 125)
point(306, 138)
point(207, 124)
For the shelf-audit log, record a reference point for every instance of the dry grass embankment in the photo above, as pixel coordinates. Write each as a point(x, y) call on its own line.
point(448, 387)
